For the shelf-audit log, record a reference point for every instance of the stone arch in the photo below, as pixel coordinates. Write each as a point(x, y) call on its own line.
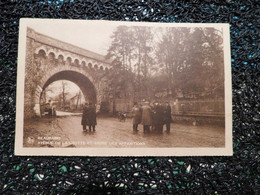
point(80, 60)
point(51, 51)
point(37, 50)
point(61, 54)
point(73, 58)
point(68, 60)
point(41, 53)
point(83, 63)
point(90, 65)
point(51, 55)
point(101, 68)
point(60, 58)
point(76, 61)
point(82, 79)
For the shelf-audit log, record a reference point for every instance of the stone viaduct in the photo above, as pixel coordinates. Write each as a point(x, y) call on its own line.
point(49, 60)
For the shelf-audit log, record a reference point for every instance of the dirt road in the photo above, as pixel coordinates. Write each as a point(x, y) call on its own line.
point(67, 131)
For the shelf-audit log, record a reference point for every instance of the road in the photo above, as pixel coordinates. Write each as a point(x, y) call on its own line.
point(61, 113)
point(66, 131)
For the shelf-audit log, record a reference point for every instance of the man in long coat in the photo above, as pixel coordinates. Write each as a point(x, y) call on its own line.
point(137, 116)
point(146, 116)
point(92, 117)
point(167, 117)
point(158, 117)
point(84, 120)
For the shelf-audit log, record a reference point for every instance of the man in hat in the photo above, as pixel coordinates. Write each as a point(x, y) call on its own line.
point(158, 117)
point(137, 114)
point(146, 116)
point(92, 117)
point(84, 120)
point(167, 116)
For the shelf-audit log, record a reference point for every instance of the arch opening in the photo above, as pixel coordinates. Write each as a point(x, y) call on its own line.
point(76, 62)
point(83, 64)
point(68, 61)
point(51, 56)
point(60, 58)
point(85, 87)
point(42, 53)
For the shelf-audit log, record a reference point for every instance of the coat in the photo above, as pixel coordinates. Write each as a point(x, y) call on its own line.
point(158, 115)
point(92, 116)
point(137, 115)
point(84, 120)
point(146, 115)
point(167, 114)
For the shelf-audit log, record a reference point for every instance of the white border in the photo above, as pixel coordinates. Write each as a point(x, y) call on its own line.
point(25, 151)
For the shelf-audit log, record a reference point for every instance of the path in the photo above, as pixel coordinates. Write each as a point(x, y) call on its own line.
point(112, 133)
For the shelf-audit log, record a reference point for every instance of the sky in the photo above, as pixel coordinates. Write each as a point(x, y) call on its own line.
point(90, 36)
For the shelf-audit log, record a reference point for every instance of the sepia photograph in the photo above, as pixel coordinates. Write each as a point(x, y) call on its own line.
point(105, 88)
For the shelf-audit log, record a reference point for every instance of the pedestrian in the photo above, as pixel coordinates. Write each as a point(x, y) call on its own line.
point(84, 120)
point(146, 117)
point(137, 116)
point(161, 119)
point(167, 116)
point(92, 117)
point(152, 105)
point(158, 117)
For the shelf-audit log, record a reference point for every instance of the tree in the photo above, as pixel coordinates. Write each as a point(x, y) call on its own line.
point(170, 55)
point(188, 60)
point(187, 55)
point(64, 85)
point(118, 86)
point(122, 46)
point(144, 43)
point(132, 48)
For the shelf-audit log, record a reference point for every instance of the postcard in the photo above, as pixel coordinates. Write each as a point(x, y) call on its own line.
point(107, 88)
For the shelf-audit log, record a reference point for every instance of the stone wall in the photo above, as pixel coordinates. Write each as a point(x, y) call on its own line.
point(29, 84)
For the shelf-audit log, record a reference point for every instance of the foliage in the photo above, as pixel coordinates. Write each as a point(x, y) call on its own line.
point(168, 62)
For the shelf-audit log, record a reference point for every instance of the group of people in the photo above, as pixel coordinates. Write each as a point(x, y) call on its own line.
point(89, 117)
point(152, 116)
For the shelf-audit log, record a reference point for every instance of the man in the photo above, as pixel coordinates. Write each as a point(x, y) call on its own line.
point(152, 105)
point(158, 117)
point(167, 116)
point(146, 117)
point(137, 115)
point(84, 120)
point(92, 117)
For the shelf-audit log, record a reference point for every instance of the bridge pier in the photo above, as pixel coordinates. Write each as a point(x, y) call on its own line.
point(37, 110)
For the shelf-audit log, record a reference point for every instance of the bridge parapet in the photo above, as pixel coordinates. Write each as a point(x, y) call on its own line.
point(68, 53)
